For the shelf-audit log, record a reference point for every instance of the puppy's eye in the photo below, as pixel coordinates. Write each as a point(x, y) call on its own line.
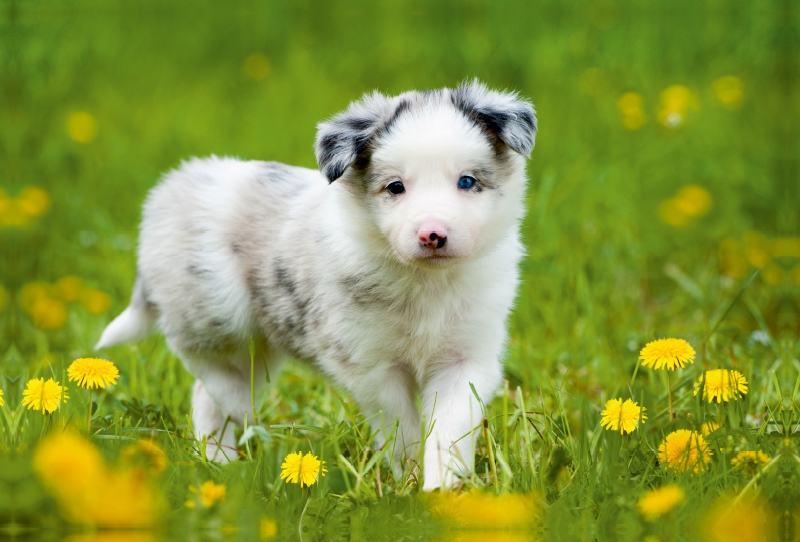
point(466, 182)
point(396, 187)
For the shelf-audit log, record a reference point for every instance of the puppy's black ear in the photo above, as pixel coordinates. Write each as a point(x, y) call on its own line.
point(347, 135)
point(505, 114)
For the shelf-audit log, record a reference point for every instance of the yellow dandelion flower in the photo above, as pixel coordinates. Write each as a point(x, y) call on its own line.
point(95, 301)
point(210, 493)
point(729, 91)
point(694, 200)
point(731, 258)
point(33, 201)
point(147, 454)
point(630, 105)
point(88, 491)
point(81, 127)
point(49, 314)
point(268, 528)
point(69, 288)
point(685, 450)
point(658, 502)
point(675, 100)
point(257, 66)
point(43, 396)
point(1, 398)
point(485, 511)
point(746, 520)
point(722, 385)
point(709, 427)
point(623, 416)
point(303, 470)
point(750, 461)
point(93, 373)
point(33, 292)
point(669, 354)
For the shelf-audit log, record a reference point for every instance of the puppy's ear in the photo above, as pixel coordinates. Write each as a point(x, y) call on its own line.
point(509, 117)
point(347, 135)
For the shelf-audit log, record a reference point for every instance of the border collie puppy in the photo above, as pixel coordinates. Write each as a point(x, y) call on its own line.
point(392, 268)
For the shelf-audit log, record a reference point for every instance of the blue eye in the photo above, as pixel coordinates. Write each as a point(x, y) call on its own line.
point(466, 182)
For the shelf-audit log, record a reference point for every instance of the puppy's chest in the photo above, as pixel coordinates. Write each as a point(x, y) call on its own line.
point(397, 321)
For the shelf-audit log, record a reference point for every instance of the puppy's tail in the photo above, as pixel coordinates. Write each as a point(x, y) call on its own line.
point(134, 324)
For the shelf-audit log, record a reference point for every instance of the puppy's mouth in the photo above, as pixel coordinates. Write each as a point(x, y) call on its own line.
point(436, 259)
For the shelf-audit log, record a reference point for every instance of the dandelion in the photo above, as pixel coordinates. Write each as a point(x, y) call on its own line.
point(268, 528)
point(33, 201)
point(93, 373)
point(623, 416)
point(669, 354)
point(1, 398)
point(49, 314)
point(210, 493)
point(709, 427)
point(684, 450)
point(95, 301)
point(722, 385)
point(257, 66)
point(630, 105)
point(731, 259)
point(87, 491)
point(729, 91)
point(658, 502)
point(69, 288)
point(299, 469)
point(750, 461)
point(756, 249)
point(485, 511)
point(81, 127)
point(146, 453)
point(44, 396)
point(675, 100)
point(746, 520)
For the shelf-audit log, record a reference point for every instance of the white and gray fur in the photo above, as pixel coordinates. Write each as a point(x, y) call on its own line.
point(326, 266)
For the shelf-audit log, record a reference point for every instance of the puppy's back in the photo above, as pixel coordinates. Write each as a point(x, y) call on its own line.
point(199, 226)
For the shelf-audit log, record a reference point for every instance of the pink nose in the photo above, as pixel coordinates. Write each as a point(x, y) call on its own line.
point(432, 236)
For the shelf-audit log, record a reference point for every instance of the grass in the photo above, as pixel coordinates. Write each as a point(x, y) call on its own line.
point(614, 258)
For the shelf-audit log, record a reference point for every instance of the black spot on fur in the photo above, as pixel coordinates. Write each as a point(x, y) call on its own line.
point(503, 115)
point(258, 293)
point(401, 108)
point(283, 277)
point(364, 292)
point(197, 271)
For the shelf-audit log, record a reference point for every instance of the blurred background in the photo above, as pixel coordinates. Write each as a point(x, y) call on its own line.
point(665, 172)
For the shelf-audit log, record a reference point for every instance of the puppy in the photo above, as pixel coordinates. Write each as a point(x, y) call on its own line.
point(392, 269)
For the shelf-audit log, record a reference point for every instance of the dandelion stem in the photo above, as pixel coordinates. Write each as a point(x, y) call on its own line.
point(89, 416)
point(302, 514)
point(669, 394)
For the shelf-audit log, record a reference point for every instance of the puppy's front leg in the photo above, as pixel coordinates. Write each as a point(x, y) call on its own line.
point(449, 404)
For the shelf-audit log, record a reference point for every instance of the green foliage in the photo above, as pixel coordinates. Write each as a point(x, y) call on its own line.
point(610, 264)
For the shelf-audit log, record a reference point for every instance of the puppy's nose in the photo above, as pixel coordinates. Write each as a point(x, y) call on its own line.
point(432, 236)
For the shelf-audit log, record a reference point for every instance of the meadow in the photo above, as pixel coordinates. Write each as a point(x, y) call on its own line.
point(663, 204)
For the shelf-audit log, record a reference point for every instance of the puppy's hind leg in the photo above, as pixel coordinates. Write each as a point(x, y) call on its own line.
point(222, 398)
point(210, 424)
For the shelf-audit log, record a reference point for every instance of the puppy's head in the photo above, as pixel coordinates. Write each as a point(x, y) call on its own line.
point(439, 175)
